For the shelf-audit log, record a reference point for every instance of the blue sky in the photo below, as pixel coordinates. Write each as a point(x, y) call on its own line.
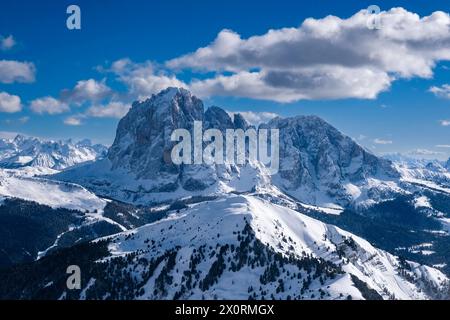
point(70, 86)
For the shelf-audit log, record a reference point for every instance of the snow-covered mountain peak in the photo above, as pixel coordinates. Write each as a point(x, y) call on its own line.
point(265, 245)
point(240, 122)
point(318, 164)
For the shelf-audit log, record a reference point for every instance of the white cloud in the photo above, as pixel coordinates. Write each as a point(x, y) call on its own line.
point(442, 91)
point(9, 103)
point(7, 43)
point(16, 71)
point(329, 58)
point(86, 90)
point(381, 141)
point(361, 137)
point(113, 109)
point(143, 79)
point(424, 152)
point(255, 118)
point(48, 105)
point(73, 120)
point(443, 146)
point(24, 119)
point(445, 123)
point(8, 134)
point(287, 86)
point(121, 65)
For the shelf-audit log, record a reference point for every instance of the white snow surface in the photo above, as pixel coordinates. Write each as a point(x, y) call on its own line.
point(52, 193)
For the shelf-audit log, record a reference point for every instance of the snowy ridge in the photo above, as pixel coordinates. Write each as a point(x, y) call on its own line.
point(33, 152)
point(215, 226)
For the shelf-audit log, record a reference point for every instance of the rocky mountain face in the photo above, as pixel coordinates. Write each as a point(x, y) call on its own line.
point(33, 152)
point(142, 147)
point(318, 164)
point(142, 142)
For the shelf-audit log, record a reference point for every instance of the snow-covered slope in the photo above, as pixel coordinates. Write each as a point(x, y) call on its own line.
point(434, 173)
point(52, 193)
point(39, 215)
point(242, 246)
point(33, 152)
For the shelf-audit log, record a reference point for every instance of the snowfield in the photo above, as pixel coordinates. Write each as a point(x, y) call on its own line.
point(48, 192)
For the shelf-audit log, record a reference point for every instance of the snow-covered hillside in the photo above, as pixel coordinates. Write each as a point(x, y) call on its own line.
point(34, 152)
point(242, 246)
point(52, 193)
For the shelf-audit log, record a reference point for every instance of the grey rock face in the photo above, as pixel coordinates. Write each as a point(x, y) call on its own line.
point(142, 145)
point(143, 135)
point(315, 158)
point(239, 122)
point(217, 118)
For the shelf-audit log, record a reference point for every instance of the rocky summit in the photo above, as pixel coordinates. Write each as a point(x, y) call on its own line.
point(318, 164)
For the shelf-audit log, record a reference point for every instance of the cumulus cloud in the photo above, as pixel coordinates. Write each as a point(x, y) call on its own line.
point(445, 123)
point(361, 137)
point(24, 119)
point(290, 86)
point(86, 90)
point(329, 58)
point(48, 105)
point(255, 118)
point(7, 43)
point(442, 91)
point(424, 152)
point(381, 141)
point(143, 79)
point(73, 120)
point(114, 109)
point(9, 103)
point(446, 146)
point(16, 71)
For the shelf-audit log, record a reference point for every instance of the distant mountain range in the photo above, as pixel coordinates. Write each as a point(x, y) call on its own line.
point(25, 151)
point(166, 231)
